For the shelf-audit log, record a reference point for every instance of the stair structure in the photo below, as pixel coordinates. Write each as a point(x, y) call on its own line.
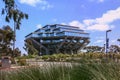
point(58, 38)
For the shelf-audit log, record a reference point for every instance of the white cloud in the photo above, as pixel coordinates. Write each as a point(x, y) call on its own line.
point(99, 27)
point(90, 25)
point(100, 37)
point(113, 42)
point(109, 17)
point(42, 3)
point(44, 7)
point(39, 26)
point(63, 23)
point(76, 23)
point(99, 41)
point(30, 2)
point(88, 22)
point(99, 24)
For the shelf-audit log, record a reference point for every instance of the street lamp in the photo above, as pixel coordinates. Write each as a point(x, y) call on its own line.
point(107, 40)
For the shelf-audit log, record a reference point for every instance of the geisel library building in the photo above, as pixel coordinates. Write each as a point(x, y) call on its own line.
point(58, 38)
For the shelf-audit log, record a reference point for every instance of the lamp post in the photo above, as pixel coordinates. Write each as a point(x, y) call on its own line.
point(107, 41)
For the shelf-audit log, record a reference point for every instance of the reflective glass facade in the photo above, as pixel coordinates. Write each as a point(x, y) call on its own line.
point(58, 30)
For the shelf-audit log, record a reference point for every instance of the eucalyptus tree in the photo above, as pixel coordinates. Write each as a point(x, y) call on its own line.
point(114, 49)
point(30, 48)
point(12, 13)
point(6, 36)
point(93, 49)
point(17, 52)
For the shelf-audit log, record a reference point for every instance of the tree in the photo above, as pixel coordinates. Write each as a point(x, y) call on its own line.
point(6, 36)
point(93, 49)
point(17, 52)
point(114, 49)
point(30, 48)
point(13, 14)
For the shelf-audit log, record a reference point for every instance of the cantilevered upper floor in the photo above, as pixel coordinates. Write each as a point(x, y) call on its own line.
point(58, 30)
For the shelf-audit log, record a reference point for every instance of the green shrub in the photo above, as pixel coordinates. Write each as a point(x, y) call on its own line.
point(27, 57)
point(45, 57)
point(22, 62)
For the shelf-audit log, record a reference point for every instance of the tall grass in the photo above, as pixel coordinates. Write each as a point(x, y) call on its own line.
point(79, 71)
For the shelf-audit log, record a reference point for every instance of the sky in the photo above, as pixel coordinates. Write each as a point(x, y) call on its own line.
point(93, 16)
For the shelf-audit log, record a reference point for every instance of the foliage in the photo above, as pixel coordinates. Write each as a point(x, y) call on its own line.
point(22, 62)
point(30, 48)
point(114, 49)
point(97, 57)
point(26, 57)
point(56, 57)
point(17, 52)
point(6, 36)
point(92, 71)
point(93, 48)
point(13, 13)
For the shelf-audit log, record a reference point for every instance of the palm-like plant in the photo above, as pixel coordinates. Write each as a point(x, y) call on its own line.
point(12, 13)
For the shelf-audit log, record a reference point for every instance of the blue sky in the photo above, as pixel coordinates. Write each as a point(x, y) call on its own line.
point(94, 16)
